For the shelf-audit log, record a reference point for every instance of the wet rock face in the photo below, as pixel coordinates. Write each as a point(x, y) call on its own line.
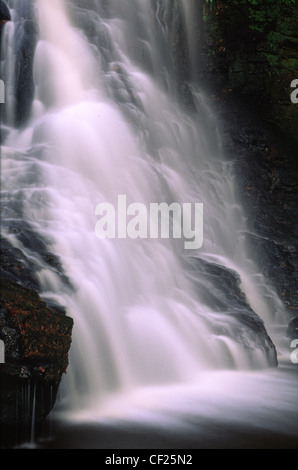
point(37, 341)
point(26, 36)
point(267, 186)
point(25, 41)
point(221, 291)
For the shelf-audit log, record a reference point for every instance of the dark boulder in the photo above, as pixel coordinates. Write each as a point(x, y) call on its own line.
point(220, 289)
point(37, 341)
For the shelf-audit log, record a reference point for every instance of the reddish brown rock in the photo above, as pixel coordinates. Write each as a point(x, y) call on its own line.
point(37, 341)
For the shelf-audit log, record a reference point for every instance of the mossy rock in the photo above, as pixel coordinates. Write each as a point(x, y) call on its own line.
point(37, 340)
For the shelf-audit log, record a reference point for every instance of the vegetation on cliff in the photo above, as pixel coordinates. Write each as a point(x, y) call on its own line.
point(254, 44)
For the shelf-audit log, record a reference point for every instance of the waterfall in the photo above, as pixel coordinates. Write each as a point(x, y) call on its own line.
point(108, 119)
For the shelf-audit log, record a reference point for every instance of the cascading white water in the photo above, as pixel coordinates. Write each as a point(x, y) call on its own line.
point(101, 126)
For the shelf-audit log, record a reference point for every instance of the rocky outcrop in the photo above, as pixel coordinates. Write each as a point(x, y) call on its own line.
point(220, 289)
point(37, 341)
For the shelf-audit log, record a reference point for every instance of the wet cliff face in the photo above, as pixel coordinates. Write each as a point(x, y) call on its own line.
point(25, 39)
point(249, 60)
point(250, 49)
